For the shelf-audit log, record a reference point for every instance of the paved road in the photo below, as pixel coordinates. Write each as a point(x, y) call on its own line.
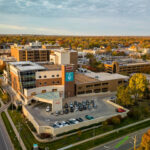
point(5, 143)
point(128, 145)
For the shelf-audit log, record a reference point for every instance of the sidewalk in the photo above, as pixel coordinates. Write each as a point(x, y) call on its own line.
point(16, 131)
point(101, 135)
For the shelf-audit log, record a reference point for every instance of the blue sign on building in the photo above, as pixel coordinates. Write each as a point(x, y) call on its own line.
point(69, 76)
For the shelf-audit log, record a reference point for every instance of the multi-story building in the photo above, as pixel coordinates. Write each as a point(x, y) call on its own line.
point(36, 52)
point(29, 79)
point(32, 52)
point(127, 66)
point(64, 57)
point(91, 82)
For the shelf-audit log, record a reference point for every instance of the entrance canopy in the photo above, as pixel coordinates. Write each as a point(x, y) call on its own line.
point(53, 98)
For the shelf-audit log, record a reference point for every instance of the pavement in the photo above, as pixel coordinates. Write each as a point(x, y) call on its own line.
point(128, 145)
point(45, 118)
point(5, 142)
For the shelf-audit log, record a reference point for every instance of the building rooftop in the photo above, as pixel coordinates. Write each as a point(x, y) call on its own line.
point(81, 78)
point(103, 76)
point(128, 62)
point(48, 96)
point(27, 66)
point(49, 66)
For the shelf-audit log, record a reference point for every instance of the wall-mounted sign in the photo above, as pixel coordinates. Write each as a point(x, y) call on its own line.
point(69, 67)
point(69, 76)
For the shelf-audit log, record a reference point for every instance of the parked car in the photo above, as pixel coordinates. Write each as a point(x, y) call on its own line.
point(89, 117)
point(79, 119)
point(120, 110)
point(58, 124)
point(66, 111)
point(71, 109)
point(66, 105)
point(64, 123)
point(74, 121)
point(47, 108)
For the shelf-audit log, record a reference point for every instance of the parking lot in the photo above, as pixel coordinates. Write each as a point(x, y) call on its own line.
point(38, 110)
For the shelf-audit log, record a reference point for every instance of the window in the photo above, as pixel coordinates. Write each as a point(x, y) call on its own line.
point(82, 92)
point(79, 87)
point(39, 76)
point(89, 86)
point(119, 82)
point(53, 82)
point(45, 76)
point(40, 83)
point(57, 75)
point(104, 89)
point(97, 90)
point(97, 84)
point(53, 75)
point(58, 82)
point(33, 93)
point(43, 91)
point(105, 83)
point(45, 83)
point(89, 91)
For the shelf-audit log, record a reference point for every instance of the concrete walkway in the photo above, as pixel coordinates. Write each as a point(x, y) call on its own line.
point(16, 131)
point(101, 135)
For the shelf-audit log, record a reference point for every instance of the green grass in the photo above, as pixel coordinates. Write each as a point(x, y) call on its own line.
point(112, 136)
point(29, 139)
point(11, 132)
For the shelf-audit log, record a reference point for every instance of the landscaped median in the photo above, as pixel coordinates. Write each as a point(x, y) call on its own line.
point(29, 139)
point(11, 132)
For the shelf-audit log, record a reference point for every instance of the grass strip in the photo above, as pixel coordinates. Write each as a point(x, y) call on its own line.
point(110, 137)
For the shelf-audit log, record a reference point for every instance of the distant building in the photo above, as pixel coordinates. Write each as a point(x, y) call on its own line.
point(126, 66)
point(64, 57)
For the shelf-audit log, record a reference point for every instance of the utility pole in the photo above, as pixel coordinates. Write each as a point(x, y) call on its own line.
point(134, 142)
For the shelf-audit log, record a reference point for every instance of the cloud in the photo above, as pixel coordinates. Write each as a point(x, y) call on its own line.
point(6, 26)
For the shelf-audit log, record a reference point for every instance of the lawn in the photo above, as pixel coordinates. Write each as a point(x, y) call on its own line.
point(112, 136)
point(29, 139)
point(11, 132)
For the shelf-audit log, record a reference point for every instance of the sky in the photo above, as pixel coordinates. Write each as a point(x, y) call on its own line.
point(75, 17)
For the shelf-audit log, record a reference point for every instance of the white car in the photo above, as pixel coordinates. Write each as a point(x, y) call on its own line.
point(74, 120)
point(64, 123)
point(58, 124)
point(47, 108)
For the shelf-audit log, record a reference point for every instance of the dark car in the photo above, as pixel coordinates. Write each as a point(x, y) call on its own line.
point(79, 119)
point(71, 109)
point(89, 117)
point(66, 105)
point(87, 102)
point(66, 111)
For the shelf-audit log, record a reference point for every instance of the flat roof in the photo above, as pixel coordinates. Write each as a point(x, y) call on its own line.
point(103, 76)
point(48, 95)
point(81, 78)
point(27, 66)
point(51, 66)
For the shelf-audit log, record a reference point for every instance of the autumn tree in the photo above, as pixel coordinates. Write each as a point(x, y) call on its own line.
point(5, 98)
point(124, 96)
point(138, 85)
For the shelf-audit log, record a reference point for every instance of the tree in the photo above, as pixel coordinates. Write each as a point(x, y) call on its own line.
point(5, 97)
point(123, 96)
point(138, 85)
point(115, 120)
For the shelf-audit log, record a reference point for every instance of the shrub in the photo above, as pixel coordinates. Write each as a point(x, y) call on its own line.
point(115, 120)
point(45, 135)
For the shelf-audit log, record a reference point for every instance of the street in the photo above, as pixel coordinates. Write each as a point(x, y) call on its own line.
point(128, 145)
point(5, 143)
